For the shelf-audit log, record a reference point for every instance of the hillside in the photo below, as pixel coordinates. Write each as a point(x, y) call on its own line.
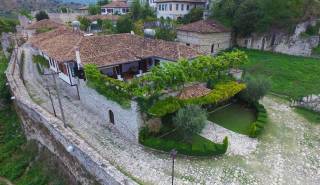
point(12, 5)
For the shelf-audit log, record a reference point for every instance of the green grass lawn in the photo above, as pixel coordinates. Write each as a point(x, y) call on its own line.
point(290, 75)
point(311, 116)
point(235, 117)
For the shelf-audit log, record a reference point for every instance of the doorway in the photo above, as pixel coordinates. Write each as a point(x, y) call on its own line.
point(111, 117)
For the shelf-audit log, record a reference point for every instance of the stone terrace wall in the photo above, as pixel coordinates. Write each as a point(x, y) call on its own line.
point(83, 162)
point(127, 121)
point(282, 42)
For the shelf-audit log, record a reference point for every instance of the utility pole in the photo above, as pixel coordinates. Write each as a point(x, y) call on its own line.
point(59, 99)
point(173, 154)
point(50, 97)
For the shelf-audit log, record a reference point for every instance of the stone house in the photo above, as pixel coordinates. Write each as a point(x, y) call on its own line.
point(116, 7)
point(83, 10)
point(210, 36)
point(119, 56)
point(176, 9)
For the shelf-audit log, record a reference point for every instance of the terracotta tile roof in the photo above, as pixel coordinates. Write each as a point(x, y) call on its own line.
point(204, 26)
point(193, 91)
point(188, 1)
point(45, 23)
point(84, 8)
point(108, 49)
point(58, 44)
point(103, 17)
point(116, 4)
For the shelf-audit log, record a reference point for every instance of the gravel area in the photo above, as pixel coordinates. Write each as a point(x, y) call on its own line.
point(239, 144)
point(287, 152)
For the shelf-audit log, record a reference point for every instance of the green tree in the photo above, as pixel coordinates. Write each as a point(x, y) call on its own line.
point(257, 88)
point(103, 2)
point(247, 16)
point(138, 27)
point(42, 15)
point(107, 27)
point(195, 14)
point(8, 25)
point(166, 34)
point(190, 121)
point(84, 23)
point(136, 9)
point(94, 9)
point(124, 24)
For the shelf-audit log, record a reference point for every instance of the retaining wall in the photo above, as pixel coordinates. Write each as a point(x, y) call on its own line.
point(83, 162)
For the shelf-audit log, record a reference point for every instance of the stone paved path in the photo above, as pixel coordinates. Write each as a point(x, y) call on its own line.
point(287, 153)
point(238, 144)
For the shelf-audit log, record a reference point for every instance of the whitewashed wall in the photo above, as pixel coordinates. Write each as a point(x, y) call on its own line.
point(221, 41)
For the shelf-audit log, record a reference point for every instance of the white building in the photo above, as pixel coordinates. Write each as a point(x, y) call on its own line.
point(118, 7)
point(176, 9)
point(208, 35)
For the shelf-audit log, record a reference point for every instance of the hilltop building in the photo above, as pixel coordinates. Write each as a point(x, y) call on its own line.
point(115, 7)
point(176, 9)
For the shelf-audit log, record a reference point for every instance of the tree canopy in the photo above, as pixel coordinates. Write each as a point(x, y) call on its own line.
point(42, 15)
point(247, 16)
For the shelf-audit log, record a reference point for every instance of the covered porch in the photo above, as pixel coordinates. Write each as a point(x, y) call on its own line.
point(130, 70)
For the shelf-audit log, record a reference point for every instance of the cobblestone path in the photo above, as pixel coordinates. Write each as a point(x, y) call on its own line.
point(287, 153)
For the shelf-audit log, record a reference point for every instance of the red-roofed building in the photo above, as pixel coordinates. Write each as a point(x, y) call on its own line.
point(209, 35)
point(116, 7)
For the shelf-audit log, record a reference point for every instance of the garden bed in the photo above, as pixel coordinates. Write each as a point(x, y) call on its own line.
point(198, 146)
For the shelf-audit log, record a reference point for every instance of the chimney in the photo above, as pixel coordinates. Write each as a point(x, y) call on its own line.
point(78, 57)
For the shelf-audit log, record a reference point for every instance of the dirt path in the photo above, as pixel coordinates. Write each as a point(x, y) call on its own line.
point(5, 181)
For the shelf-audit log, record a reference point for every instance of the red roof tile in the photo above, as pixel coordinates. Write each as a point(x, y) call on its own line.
point(204, 26)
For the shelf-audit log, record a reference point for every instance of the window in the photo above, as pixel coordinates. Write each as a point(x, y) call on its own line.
point(159, 7)
point(212, 48)
point(103, 10)
point(182, 7)
point(177, 6)
point(188, 44)
point(170, 7)
point(165, 7)
point(188, 7)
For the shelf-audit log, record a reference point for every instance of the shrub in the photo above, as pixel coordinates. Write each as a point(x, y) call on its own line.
point(190, 120)
point(257, 88)
point(124, 24)
point(42, 15)
point(262, 118)
point(199, 146)
point(221, 92)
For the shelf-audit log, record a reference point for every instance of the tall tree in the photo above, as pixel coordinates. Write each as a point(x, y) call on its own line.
point(124, 24)
point(42, 15)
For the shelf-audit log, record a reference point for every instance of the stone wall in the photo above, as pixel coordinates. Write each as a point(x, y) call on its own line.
point(127, 121)
point(281, 42)
point(79, 158)
point(220, 41)
point(311, 102)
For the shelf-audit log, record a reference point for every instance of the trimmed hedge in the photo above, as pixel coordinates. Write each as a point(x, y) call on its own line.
point(262, 118)
point(221, 92)
point(200, 146)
